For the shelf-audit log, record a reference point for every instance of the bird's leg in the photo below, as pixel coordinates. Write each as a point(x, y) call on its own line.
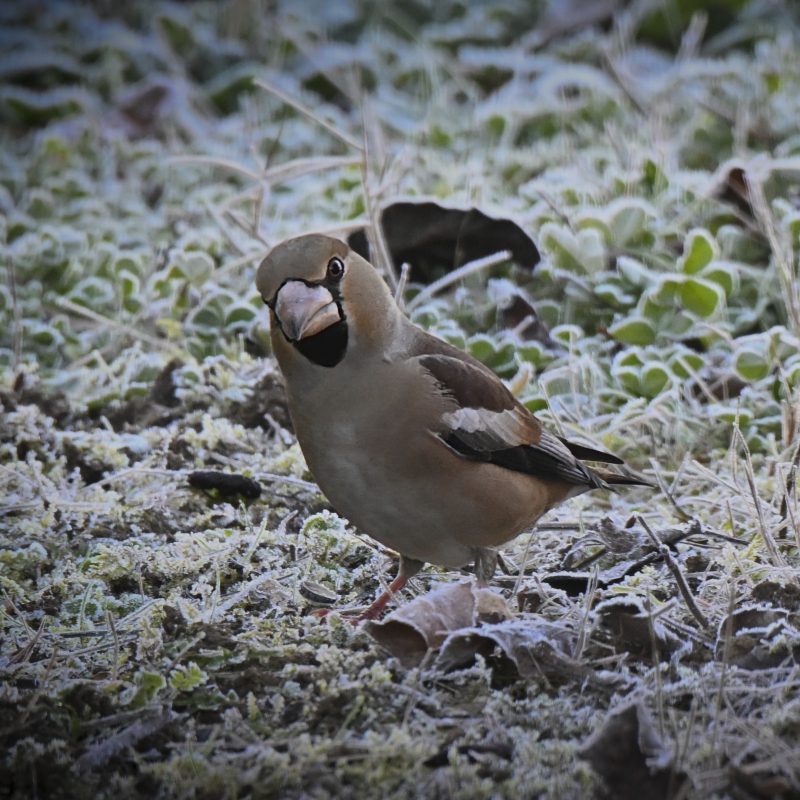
point(408, 568)
point(485, 565)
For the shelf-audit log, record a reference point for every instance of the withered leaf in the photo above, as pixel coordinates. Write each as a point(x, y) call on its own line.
point(758, 637)
point(629, 755)
point(529, 643)
point(434, 239)
point(627, 621)
point(472, 751)
point(226, 483)
point(410, 631)
point(515, 312)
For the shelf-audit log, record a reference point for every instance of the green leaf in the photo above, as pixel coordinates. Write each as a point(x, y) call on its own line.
point(628, 220)
point(532, 352)
point(635, 272)
point(723, 273)
point(178, 35)
point(147, 685)
point(614, 295)
point(185, 679)
point(438, 137)
point(634, 330)
point(629, 358)
point(666, 290)
point(535, 404)
point(582, 253)
point(549, 313)
point(128, 263)
point(35, 109)
point(792, 224)
point(676, 324)
point(683, 362)
point(728, 413)
point(651, 310)
point(750, 365)
point(594, 223)
point(699, 250)
point(628, 379)
point(481, 347)
point(653, 177)
point(568, 334)
point(129, 283)
point(701, 297)
point(225, 90)
point(239, 316)
point(496, 125)
point(654, 378)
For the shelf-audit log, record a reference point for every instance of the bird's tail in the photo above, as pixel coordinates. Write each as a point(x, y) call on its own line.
point(612, 479)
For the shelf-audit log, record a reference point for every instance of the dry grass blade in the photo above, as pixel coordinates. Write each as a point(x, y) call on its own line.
point(766, 536)
point(237, 263)
point(102, 752)
point(307, 166)
point(725, 662)
point(24, 653)
point(18, 330)
point(677, 574)
point(666, 491)
point(379, 248)
point(455, 276)
point(224, 163)
point(113, 325)
point(405, 271)
point(306, 111)
point(40, 690)
point(781, 249)
point(583, 635)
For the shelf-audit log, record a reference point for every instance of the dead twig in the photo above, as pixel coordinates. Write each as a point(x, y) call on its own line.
point(40, 690)
point(677, 574)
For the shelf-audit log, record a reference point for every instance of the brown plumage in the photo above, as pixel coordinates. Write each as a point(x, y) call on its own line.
point(414, 441)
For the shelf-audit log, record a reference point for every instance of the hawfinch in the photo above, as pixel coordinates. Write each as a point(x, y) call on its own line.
point(412, 440)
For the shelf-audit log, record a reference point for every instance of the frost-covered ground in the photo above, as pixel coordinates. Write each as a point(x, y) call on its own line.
point(156, 637)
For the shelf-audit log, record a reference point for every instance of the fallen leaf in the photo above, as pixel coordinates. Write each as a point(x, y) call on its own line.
point(629, 623)
point(758, 637)
point(410, 631)
point(226, 483)
point(435, 240)
point(472, 751)
point(631, 758)
point(530, 643)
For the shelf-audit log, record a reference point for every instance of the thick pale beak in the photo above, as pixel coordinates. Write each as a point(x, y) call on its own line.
point(304, 310)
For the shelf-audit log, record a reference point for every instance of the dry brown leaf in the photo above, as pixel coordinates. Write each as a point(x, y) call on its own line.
point(758, 637)
point(410, 631)
point(631, 758)
point(435, 239)
point(634, 629)
point(530, 643)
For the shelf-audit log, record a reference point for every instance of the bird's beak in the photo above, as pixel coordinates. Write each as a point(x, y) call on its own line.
point(304, 310)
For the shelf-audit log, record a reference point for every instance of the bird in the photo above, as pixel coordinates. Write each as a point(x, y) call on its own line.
point(412, 440)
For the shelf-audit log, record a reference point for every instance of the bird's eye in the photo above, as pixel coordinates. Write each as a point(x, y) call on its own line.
point(335, 268)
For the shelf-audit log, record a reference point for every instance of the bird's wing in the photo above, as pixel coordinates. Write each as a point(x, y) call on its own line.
point(491, 425)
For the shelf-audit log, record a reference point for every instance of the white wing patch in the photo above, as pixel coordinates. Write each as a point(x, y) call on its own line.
point(490, 430)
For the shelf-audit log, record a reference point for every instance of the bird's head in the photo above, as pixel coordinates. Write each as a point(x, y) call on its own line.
point(323, 298)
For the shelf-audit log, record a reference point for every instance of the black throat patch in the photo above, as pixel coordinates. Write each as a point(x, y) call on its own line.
point(326, 348)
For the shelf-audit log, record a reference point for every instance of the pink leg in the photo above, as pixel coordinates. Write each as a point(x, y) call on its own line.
point(408, 568)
